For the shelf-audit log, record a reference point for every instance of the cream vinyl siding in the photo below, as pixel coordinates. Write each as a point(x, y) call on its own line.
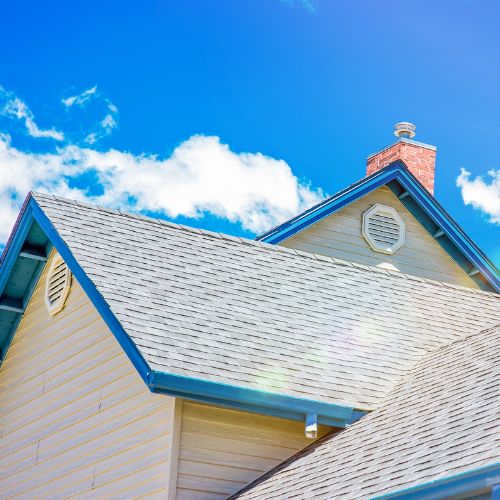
point(223, 450)
point(75, 417)
point(339, 235)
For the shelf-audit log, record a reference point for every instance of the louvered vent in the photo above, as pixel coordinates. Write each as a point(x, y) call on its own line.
point(383, 229)
point(57, 285)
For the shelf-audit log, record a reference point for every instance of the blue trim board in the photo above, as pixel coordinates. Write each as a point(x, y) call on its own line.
point(470, 483)
point(423, 207)
point(31, 214)
point(94, 295)
point(27, 296)
point(14, 245)
point(9, 320)
point(227, 395)
point(332, 204)
point(495, 492)
point(253, 400)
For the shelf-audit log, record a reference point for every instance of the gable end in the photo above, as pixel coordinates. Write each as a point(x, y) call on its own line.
point(424, 207)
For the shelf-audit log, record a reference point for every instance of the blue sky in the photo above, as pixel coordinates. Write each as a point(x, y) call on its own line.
point(232, 115)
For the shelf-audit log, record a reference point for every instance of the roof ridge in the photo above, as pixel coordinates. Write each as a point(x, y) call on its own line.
point(429, 353)
point(464, 338)
point(260, 244)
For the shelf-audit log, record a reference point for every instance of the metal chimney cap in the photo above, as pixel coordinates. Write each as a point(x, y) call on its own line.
point(404, 129)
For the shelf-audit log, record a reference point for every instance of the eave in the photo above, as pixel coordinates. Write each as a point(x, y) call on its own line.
point(253, 400)
point(420, 203)
point(33, 238)
point(470, 483)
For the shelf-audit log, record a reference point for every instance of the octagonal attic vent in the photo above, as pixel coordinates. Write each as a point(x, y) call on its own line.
point(57, 285)
point(383, 229)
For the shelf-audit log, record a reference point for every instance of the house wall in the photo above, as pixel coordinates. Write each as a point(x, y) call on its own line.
point(223, 450)
point(76, 419)
point(75, 416)
point(339, 235)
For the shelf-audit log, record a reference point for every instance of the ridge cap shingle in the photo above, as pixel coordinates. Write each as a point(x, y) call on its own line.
point(464, 338)
point(265, 246)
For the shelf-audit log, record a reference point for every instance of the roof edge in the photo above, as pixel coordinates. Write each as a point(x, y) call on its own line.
point(31, 213)
point(458, 484)
point(332, 204)
point(253, 400)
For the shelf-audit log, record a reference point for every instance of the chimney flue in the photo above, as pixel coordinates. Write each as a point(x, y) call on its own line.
point(418, 157)
point(405, 129)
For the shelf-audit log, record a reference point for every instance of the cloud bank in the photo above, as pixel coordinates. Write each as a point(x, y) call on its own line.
point(481, 194)
point(202, 176)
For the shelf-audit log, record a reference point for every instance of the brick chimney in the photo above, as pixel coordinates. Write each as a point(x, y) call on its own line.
point(418, 157)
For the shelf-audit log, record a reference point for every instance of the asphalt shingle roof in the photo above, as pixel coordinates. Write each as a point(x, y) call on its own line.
point(241, 312)
point(441, 420)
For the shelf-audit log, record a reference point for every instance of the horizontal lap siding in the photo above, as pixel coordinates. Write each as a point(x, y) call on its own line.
point(223, 450)
point(339, 235)
point(75, 416)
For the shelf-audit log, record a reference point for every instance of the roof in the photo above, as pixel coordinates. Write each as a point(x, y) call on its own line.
point(420, 203)
point(441, 421)
point(210, 316)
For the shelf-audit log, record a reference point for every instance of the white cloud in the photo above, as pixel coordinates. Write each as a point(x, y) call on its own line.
point(105, 126)
point(481, 194)
point(80, 99)
point(202, 176)
point(15, 108)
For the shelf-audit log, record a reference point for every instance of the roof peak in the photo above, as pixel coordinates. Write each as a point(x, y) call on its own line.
point(464, 338)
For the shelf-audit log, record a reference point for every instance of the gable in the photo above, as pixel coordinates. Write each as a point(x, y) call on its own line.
point(422, 205)
point(339, 235)
point(75, 416)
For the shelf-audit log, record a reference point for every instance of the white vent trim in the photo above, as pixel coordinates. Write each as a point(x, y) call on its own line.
point(57, 285)
point(383, 229)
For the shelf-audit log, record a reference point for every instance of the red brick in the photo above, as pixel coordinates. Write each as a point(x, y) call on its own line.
point(419, 160)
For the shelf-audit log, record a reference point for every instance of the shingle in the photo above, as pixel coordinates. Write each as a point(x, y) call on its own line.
point(449, 425)
point(350, 331)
